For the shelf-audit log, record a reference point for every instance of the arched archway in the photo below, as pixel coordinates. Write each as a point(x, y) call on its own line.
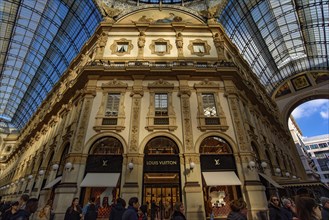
point(103, 173)
point(220, 181)
point(161, 178)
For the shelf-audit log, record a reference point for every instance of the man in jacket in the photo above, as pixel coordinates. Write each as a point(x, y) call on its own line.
point(131, 212)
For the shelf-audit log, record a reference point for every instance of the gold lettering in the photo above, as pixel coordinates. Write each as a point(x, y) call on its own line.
point(162, 162)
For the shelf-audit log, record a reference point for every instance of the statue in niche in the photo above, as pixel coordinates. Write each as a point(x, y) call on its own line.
point(141, 39)
point(218, 41)
point(179, 40)
point(71, 77)
point(101, 44)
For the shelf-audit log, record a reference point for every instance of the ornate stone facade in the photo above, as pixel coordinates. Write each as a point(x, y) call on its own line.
point(161, 94)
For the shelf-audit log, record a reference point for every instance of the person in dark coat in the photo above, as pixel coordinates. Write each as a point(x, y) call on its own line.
point(118, 209)
point(274, 208)
point(238, 210)
point(131, 212)
point(74, 212)
point(25, 214)
point(325, 207)
point(287, 210)
point(179, 212)
point(10, 211)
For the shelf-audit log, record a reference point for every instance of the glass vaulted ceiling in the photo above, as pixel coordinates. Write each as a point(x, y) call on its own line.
point(279, 38)
point(38, 40)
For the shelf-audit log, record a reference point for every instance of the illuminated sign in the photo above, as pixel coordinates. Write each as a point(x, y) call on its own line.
point(162, 163)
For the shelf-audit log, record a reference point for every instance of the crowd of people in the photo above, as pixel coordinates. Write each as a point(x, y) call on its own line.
point(22, 209)
point(301, 208)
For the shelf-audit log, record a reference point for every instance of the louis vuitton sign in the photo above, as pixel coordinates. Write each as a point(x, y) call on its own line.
point(161, 163)
point(217, 162)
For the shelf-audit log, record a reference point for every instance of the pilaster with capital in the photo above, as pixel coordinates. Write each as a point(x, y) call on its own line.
point(136, 94)
point(231, 94)
point(184, 95)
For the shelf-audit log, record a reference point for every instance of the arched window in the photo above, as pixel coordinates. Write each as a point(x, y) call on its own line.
point(161, 145)
point(107, 146)
point(62, 160)
point(269, 161)
point(215, 145)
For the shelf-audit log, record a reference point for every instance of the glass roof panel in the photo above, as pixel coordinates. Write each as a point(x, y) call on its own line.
point(37, 44)
point(279, 38)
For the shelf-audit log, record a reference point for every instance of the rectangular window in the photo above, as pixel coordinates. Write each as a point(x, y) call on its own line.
point(122, 47)
point(160, 47)
point(209, 106)
point(161, 104)
point(199, 48)
point(306, 147)
point(314, 146)
point(112, 105)
point(323, 145)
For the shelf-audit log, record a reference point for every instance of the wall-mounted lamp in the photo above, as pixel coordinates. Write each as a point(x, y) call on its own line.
point(55, 166)
point(30, 177)
point(287, 174)
point(192, 165)
point(277, 170)
point(263, 164)
point(131, 165)
point(294, 177)
point(251, 165)
point(68, 166)
point(41, 172)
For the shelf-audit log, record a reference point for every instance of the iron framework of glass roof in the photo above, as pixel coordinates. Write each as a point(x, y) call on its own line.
point(38, 41)
point(279, 38)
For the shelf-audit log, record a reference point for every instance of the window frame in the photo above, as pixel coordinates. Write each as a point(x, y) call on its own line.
point(116, 43)
point(115, 122)
point(154, 121)
point(204, 122)
point(196, 42)
point(158, 42)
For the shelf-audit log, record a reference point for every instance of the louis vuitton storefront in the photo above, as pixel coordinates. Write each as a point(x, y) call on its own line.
point(220, 182)
point(103, 174)
point(161, 178)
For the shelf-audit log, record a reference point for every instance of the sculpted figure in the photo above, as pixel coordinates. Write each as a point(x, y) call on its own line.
point(109, 12)
point(141, 40)
point(179, 40)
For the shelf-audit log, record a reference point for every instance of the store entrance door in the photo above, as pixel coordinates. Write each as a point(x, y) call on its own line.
point(161, 191)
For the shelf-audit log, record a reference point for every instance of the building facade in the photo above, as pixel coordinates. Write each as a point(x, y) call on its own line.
point(159, 105)
point(318, 149)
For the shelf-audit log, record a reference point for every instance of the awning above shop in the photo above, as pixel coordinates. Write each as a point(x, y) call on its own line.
point(225, 178)
point(270, 180)
point(100, 180)
point(53, 183)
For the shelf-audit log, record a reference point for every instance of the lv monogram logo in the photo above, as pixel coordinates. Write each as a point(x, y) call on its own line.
point(217, 163)
point(105, 163)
